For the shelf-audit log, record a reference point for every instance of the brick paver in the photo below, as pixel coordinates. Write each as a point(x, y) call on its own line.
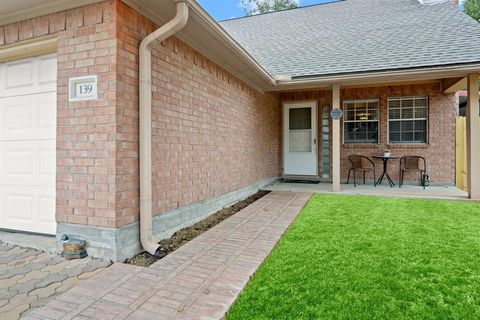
point(30, 278)
point(201, 280)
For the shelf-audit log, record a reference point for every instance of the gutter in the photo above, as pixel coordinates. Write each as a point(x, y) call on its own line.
point(145, 114)
point(285, 83)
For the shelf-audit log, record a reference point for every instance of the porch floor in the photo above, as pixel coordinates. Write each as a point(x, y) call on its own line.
point(201, 280)
point(407, 191)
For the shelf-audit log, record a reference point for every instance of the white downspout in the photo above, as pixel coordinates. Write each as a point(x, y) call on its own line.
point(145, 56)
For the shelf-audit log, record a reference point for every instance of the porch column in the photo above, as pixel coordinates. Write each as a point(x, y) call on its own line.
point(473, 137)
point(336, 140)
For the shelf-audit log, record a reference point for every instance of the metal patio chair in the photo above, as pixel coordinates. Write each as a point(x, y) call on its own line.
point(362, 164)
point(413, 164)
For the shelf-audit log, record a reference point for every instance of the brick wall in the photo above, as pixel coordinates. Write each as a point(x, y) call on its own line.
point(212, 134)
point(131, 29)
point(439, 152)
point(86, 131)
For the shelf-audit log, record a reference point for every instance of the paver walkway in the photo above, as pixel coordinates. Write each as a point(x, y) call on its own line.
point(201, 280)
point(30, 278)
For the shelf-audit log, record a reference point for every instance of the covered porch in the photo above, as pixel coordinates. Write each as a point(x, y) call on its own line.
point(408, 114)
point(407, 191)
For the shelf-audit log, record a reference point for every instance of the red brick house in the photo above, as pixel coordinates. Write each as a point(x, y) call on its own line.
point(92, 146)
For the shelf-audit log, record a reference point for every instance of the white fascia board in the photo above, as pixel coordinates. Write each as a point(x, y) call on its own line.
point(47, 7)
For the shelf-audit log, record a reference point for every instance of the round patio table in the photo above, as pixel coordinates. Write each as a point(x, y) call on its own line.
point(385, 169)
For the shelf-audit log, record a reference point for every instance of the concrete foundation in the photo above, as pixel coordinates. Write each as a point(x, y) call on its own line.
point(122, 243)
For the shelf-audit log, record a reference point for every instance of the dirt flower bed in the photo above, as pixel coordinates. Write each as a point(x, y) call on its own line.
point(183, 236)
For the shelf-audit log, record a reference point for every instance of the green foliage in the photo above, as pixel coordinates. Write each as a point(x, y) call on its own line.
point(472, 8)
point(359, 257)
point(263, 6)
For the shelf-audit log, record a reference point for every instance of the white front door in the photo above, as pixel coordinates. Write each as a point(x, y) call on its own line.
point(28, 95)
point(300, 139)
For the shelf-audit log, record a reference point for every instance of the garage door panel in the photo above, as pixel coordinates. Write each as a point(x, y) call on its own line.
point(17, 116)
point(30, 163)
point(28, 76)
point(48, 72)
point(47, 208)
point(19, 164)
point(28, 144)
point(29, 117)
point(46, 115)
point(47, 164)
point(19, 76)
point(19, 207)
point(27, 208)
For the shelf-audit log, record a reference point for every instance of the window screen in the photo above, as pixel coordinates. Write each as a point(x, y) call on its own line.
point(301, 119)
point(300, 133)
point(408, 120)
point(361, 121)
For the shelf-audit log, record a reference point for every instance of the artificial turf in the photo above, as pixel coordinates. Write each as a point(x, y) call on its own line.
point(359, 257)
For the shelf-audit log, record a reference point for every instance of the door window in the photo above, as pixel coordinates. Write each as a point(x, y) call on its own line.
point(300, 130)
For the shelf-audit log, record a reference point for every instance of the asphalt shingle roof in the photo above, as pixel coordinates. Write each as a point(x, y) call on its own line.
point(358, 36)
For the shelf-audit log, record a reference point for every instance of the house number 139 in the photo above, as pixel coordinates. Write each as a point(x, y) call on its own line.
point(83, 88)
point(86, 89)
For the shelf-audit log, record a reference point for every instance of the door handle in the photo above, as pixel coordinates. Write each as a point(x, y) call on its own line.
point(314, 141)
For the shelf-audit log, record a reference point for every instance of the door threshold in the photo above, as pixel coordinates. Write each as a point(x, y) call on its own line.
point(299, 178)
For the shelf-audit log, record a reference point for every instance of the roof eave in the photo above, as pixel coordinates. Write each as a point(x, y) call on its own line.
point(206, 36)
point(230, 41)
point(47, 7)
point(376, 77)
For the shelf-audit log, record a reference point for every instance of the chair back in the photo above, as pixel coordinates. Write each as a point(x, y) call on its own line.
point(412, 163)
point(356, 161)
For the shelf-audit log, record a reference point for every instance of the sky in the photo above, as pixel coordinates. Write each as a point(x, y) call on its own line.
point(228, 9)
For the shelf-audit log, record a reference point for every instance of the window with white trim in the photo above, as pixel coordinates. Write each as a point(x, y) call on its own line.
point(408, 120)
point(361, 121)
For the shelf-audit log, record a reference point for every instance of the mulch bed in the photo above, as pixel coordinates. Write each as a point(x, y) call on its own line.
point(183, 236)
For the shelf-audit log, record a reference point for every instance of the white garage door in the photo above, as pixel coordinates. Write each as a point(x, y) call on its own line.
point(28, 143)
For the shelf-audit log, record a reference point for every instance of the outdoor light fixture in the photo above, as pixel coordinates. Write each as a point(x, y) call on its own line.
point(364, 116)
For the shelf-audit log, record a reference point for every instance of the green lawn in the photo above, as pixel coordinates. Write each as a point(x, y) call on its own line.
point(358, 257)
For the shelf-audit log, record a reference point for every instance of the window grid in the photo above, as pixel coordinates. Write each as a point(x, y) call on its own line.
point(357, 114)
point(408, 120)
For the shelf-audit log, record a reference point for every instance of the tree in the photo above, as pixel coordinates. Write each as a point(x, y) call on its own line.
point(252, 7)
point(472, 8)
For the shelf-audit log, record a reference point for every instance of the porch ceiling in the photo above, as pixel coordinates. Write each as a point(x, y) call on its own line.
point(455, 85)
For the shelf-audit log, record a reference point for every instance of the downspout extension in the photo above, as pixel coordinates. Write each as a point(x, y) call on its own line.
point(145, 56)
